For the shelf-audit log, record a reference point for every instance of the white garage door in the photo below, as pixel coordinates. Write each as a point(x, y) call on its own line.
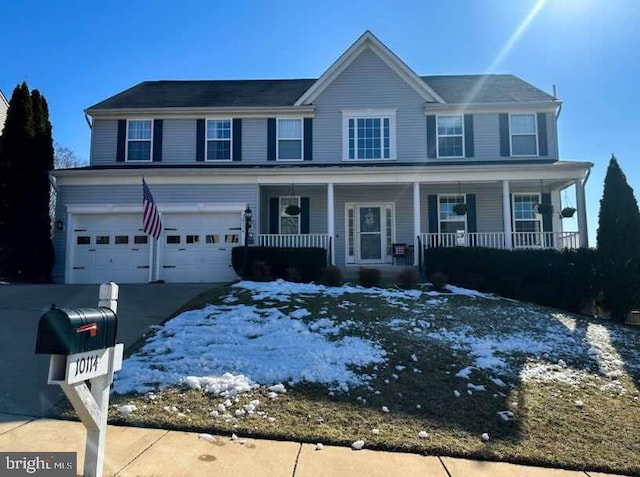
point(197, 247)
point(110, 247)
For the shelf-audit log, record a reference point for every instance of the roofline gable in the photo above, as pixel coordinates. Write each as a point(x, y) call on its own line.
point(370, 41)
point(4, 98)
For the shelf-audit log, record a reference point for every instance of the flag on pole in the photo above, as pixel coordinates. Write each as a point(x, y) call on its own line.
point(151, 222)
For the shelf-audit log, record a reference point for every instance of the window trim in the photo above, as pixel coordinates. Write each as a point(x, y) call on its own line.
point(369, 114)
point(511, 134)
point(206, 139)
point(281, 213)
point(438, 136)
point(301, 120)
point(464, 201)
point(126, 142)
point(538, 218)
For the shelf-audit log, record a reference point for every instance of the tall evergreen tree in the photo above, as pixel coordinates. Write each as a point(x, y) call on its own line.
point(619, 244)
point(37, 248)
point(16, 151)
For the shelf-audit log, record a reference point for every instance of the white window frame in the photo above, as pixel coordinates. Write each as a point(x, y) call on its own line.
point(438, 136)
point(369, 114)
point(462, 218)
point(511, 134)
point(126, 147)
point(301, 120)
point(538, 217)
point(206, 139)
point(281, 212)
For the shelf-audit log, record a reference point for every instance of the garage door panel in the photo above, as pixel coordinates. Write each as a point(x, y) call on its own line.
point(197, 247)
point(110, 247)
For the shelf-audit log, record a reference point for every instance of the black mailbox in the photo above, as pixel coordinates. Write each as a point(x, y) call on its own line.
point(70, 331)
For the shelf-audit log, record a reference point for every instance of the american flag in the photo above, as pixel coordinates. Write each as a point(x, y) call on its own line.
point(151, 222)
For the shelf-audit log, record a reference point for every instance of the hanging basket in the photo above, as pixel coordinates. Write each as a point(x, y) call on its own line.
point(292, 209)
point(567, 212)
point(544, 208)
point(460, 209)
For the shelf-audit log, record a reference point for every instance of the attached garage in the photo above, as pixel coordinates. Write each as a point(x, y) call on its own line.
point(194, 246)
point(197, 247)
point(109, 247)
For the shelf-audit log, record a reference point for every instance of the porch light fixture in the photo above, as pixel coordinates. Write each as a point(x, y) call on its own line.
point(59, 225)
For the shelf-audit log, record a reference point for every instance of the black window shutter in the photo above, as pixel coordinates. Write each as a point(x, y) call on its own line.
point(157, 140)
point(274, 215)
point(431, 137)
point(271, 139)
point(472, 225)
point(308, 139)
point(122, 138)
point(505, 148)
point(200, 140)
point(237, 139)
point(547, 219)
point(432, 203)
point(304, 215)
point(543, 148)
point(469, 150)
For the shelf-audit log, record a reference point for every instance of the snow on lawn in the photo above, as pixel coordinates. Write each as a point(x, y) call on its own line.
point(252, 345)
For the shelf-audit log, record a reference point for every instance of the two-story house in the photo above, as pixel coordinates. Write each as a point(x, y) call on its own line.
point(370, 153)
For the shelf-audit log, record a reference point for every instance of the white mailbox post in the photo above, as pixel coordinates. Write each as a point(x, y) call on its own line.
point(71, 372)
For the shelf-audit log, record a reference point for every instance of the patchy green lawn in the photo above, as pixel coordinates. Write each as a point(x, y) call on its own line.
point(548, 388)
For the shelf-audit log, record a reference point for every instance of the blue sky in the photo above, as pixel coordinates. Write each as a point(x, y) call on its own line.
point(78, 53)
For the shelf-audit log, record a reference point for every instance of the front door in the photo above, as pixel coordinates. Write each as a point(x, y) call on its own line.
point(370, 238)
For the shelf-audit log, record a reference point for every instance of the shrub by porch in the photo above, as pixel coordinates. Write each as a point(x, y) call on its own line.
point(308, 261)
point(566, 279)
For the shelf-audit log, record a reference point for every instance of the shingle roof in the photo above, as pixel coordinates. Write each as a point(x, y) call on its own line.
point(485, 89)
point(220, 93)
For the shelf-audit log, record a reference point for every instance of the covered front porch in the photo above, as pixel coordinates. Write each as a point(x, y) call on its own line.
point(364, 224)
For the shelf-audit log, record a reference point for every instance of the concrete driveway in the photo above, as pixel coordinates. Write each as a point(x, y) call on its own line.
point(23, 374)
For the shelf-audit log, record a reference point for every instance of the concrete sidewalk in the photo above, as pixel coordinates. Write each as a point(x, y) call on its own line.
point(133, 451)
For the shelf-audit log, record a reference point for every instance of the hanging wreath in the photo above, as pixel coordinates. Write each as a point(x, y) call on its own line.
point(460, 209)
point(292, 209)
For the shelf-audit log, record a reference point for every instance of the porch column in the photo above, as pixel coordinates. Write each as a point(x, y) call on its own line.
point(331, 222)
point(506, 215)
point(416, 222)
point(583, 234)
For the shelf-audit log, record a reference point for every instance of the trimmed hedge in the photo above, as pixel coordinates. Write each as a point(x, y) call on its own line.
point(566, 279)
point(309, 262)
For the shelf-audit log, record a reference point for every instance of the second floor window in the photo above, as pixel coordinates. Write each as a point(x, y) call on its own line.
point(139, 133)
point(290, 139)
point(368, 134)
point(219, 140)
point(450, 136)
point(524, 135)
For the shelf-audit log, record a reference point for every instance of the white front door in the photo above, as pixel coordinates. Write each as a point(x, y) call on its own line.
point(370, 232)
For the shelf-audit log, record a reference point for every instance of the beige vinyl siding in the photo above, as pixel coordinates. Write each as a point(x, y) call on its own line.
point(368, 83)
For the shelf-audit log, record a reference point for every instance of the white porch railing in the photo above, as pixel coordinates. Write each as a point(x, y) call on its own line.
point(557, 240)
point(293, 240)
